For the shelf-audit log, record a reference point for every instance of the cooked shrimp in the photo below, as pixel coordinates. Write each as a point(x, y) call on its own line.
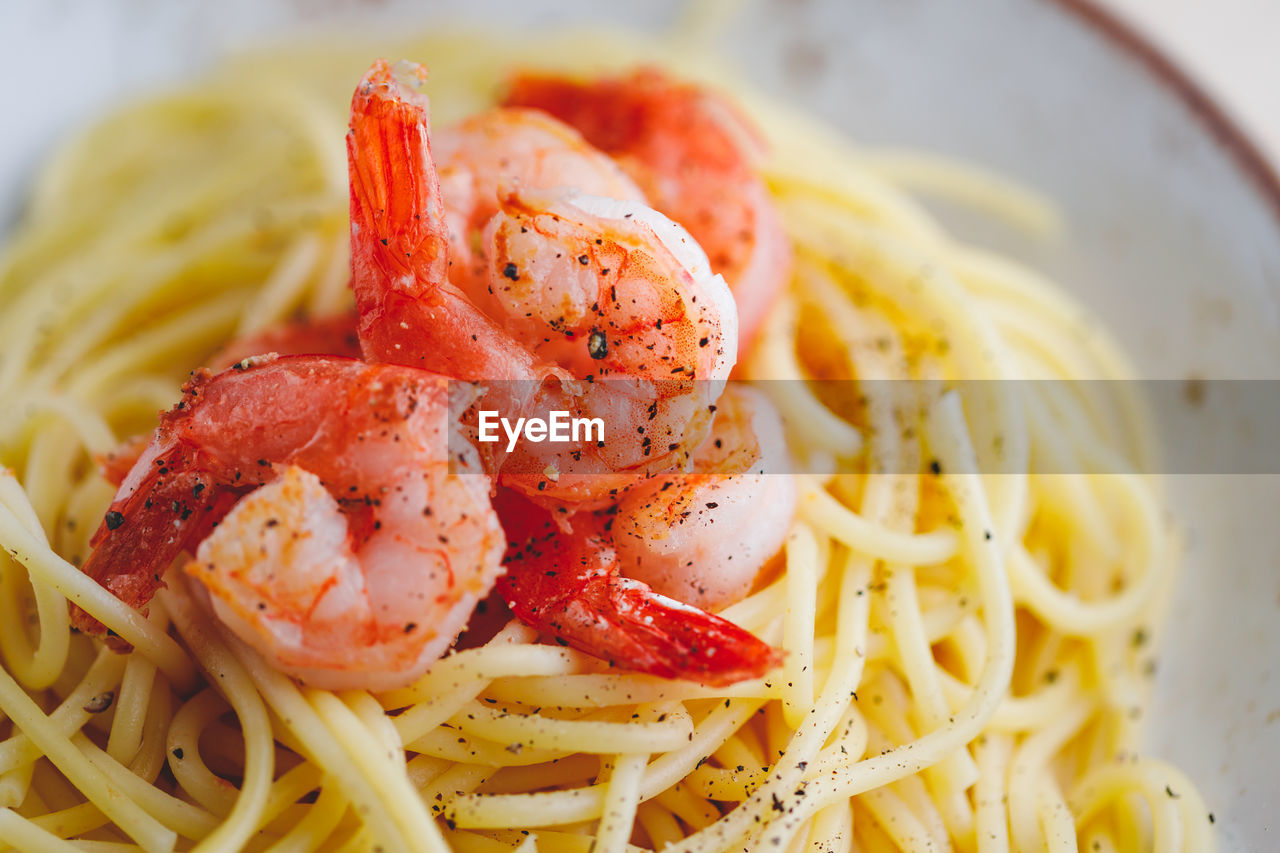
point(566, 582)
point(584, 288)
point(349, 550)
point(694, 156)
point(616, 294)
point(703, 537)
point(511, 147)
point(333, 335)
point(116, 464)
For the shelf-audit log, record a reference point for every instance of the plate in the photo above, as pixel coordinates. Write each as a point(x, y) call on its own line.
point(1174, 237)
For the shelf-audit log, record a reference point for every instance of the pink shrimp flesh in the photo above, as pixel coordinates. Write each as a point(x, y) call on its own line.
point(500, 148)
point(694, 156)
point(616, 294)
point(704, 537)
point(334, 536)
point(566, 583)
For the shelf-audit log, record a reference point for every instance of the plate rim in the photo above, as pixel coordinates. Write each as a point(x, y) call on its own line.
point(1246, 155)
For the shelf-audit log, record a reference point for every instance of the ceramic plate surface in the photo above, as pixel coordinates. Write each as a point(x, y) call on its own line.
point(1174, 239)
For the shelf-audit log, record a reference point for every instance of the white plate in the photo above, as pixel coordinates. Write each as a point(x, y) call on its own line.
point(1175, 238)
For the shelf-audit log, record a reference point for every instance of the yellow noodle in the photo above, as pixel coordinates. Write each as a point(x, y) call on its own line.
point(801, 550)
point(70, 715)
point(131, 706)
point(316, 825)
point(669, 731)
point(968, 185)
point(29, 836)
point(622, 794)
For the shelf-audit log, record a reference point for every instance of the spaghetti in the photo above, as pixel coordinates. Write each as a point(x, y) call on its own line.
point(967, 652)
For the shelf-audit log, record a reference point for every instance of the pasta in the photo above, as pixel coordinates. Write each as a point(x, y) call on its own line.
point(967, 651)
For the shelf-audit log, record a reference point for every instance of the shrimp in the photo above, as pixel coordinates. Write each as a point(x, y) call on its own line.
point(694, 156)
point(500, 147)
point(115, 464)
point(631, 583)
point(410, 313)
point(703, 537)
point(332, 335)
point(566, 582)
point(332, 530)
point(583, 288)
point(615, 294)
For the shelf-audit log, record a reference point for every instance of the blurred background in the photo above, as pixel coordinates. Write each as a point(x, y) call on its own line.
point(1229, 46)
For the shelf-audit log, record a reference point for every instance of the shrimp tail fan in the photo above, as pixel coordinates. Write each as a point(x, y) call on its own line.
point(566, 583)
point(395, 193)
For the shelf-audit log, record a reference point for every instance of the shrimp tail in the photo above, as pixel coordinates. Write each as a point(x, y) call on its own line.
point(399, 236)
point(566, 582)
point(168, 500)
point(410, 314)
point(171, 507)
point(331, 335)
point(115, 464)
